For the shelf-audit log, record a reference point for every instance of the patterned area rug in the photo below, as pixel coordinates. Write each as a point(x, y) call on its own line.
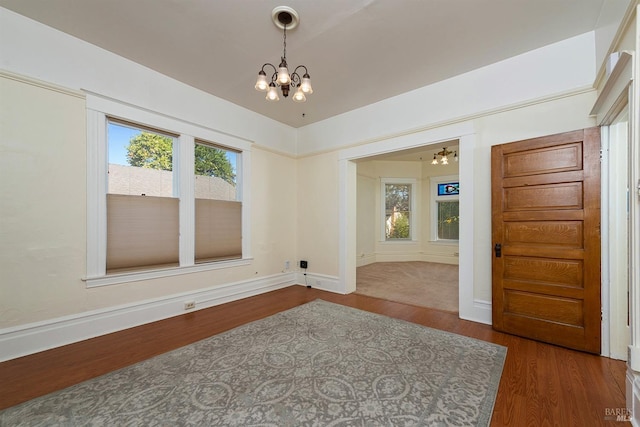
point(319, 364)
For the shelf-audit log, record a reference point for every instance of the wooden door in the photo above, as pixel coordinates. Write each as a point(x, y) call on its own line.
point(546, 237)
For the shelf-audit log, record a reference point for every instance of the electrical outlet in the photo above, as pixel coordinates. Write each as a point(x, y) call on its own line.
point(304, 264)
point(286, 265)
point(189, 305)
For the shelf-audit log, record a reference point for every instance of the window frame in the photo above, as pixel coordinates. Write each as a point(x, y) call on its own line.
point(435, 198)
point(414, 207)
point(99, 109)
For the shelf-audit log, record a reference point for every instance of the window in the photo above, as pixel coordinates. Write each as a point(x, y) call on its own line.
point(398, 199)
point(142, 210)
point(165, 196)
point(218, 233)
point(445, 208)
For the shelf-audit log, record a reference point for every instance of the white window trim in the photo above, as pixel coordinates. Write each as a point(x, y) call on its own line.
point(98, 108)
point(434, 181)
point(414, 232)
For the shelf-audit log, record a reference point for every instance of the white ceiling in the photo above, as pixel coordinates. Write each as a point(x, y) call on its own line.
point(357, 51)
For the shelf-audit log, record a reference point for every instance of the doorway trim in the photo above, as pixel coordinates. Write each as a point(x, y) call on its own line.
point(464, 132)
point(616, 95)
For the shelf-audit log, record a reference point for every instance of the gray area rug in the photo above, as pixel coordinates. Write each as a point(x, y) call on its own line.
point(319, 364)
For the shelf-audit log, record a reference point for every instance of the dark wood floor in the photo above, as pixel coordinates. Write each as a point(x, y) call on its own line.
point(541, 385)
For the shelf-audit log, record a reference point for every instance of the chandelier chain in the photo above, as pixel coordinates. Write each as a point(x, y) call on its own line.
point(285, 42)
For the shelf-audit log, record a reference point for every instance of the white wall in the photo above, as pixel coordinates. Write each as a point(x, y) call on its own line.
point(606, 29)
point(367, 183)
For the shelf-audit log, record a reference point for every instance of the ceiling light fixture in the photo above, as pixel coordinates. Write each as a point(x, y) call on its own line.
point(444, 160)
point(286, 18)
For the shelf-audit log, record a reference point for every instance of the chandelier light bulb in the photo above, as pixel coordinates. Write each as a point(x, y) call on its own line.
point(435, 160)
point(272, 95)
point(299, 95)
point(305, 86)
point(445, 160)
point(283, 75)
point(261, 84)
point(455, 156)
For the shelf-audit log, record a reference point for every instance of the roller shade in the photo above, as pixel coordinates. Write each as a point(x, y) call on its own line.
point(218, 233)
point(142, 231)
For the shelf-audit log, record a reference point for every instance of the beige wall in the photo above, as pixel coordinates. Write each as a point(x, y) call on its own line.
point(317, 212)
point(43, 207)
point(43, 214)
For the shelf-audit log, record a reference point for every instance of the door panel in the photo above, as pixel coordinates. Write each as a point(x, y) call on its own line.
point(546, 221)
point(567, 234)
point(545, 160)
point(544, 197)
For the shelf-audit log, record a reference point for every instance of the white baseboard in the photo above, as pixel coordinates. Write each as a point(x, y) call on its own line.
point(633, 397)
point(35, 337)
point(397, 256)
point(441, 259)
point(320, 281)
point(479, 311)
point(365, 259)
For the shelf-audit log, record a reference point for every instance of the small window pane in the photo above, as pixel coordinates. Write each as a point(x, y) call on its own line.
point(448, 220)
point(140, 161)
point(448, 189)
point(215, 173)
point(397, 211)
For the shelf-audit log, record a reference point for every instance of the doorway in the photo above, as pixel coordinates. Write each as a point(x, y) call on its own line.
point(407, 230)
point(470, 308)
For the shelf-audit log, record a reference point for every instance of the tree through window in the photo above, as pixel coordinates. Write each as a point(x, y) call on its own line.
point(397, 211)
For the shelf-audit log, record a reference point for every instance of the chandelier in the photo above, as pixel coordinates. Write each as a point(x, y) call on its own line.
point(444, 160)
point(286, 18)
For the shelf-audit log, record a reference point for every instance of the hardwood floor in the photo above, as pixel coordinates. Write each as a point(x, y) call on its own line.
point(541, 385)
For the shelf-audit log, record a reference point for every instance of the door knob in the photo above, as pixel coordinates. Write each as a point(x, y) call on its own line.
point(498, 250)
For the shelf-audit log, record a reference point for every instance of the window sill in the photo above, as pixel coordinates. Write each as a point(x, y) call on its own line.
point(399, 242)
point(445, 242)
point(113, 279)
